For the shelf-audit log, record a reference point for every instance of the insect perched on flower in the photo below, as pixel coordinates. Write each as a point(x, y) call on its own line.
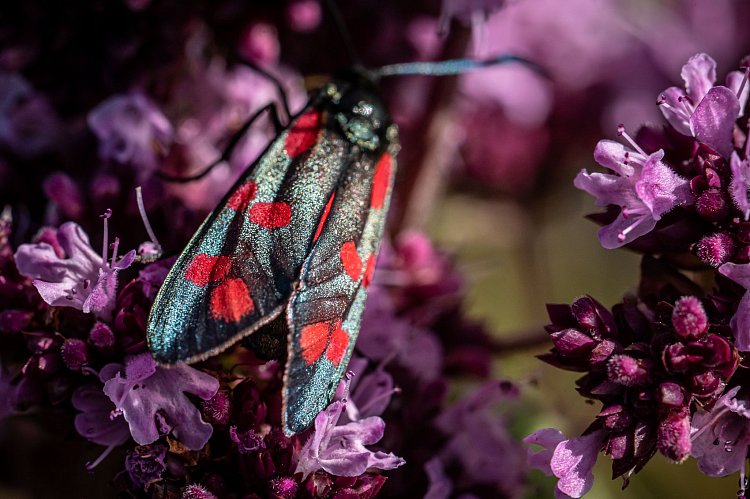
point(287, 256)
point(292, 246)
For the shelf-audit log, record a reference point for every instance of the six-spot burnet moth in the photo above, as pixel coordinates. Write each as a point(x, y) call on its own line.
point(286, 258)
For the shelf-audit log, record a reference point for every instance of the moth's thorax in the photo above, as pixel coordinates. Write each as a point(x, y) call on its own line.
point(359, 113)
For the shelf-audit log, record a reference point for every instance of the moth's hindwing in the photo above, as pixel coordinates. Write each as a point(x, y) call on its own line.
point(237, 272)
point(325, 310)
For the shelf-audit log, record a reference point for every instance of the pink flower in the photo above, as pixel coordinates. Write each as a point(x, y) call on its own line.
point(131, 130)
point(71, 273)
point(146, 394)
point(721, 436)
point(571, 461)
point(340, 450)
point(702, 110)
point(643, 186)
point(28, 125)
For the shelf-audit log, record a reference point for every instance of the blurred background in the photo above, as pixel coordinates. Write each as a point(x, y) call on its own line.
point(486, 166)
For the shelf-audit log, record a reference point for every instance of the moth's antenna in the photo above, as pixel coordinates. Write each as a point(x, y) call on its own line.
point(454, 66)
point(343, 31)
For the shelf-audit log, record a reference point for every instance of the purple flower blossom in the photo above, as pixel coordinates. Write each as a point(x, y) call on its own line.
point(643, 186)
point(95, 422)
point(740, 323)
point(71, 274)
point(704, 111)
point(571, 460)
point(141, 391)
point(340, 450)
point(28, 125)
point(721, 436)
point(384, 335)
point(476, 435)
point(131, 130)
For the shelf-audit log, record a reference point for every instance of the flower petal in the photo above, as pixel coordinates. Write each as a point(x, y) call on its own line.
point(163, 391)
point(699, 74)
point(548, 439)
point(611, 154)
point(573, 461)
point(674, 110)
point(713, 431)
point(713, 120)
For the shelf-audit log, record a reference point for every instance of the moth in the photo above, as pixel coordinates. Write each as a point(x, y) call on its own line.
point(285, 260)
point(288, 254)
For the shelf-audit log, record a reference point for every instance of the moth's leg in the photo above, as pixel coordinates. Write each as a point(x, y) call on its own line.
point(229, 149)
point(279, 88)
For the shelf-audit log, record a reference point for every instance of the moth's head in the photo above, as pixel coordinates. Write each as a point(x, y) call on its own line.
point(358, 111)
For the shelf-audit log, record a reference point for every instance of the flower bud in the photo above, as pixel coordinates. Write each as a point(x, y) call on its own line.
point(195, 491)
point(74, 353)
point(218, 409)
point(716, 249)
point(689, 318)
point(283, 487)
point(628, 371)
point(572, 343)
point(102, 338)
point(712, 205)
point(673, 436)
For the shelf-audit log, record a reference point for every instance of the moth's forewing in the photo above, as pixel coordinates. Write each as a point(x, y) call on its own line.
point(238, 270)
point(325, 311)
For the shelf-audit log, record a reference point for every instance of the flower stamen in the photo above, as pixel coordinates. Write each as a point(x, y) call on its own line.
point(622, 133)
point(105, 238)
point(144, 217)
point(114, 247)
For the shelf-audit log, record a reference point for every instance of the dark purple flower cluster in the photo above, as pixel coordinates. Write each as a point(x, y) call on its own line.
point(664, 363)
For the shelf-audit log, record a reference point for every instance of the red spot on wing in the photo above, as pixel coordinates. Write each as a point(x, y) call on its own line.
point(380, 181)
point(231, 300)
point(204, 269)
point(245, 193)
point(369, 270)
point(337, 345)
point(350, 260)
point(313, 340)
point(323, 218)
point(271, 215)
point(304, 134)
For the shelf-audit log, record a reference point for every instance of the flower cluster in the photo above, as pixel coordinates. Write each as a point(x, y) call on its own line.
point(664, 362)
